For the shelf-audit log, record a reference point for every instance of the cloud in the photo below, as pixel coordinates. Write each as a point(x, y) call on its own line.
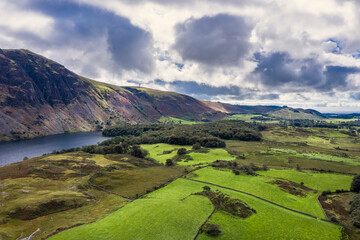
point(355, 96)
point(221, 40)
point(206, 91)
point(280, 70)
point(87, 29)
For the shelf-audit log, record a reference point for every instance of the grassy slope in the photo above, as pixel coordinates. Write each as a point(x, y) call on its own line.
point(319, 181)
point(270, 222)
point(156, 151)
point(173, 120)
point(260, 186)
point(147, 219)
point(318, 156)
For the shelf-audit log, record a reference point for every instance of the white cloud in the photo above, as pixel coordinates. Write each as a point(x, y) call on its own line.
point(300, 28)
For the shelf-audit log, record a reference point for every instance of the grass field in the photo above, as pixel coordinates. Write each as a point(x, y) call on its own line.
point(173, 120)
point(32, 194)
point(319, 181)
point(147, 219)
point(262, 187)
point(156, 151)
point(318, 156)
point(270, 221)
point(132, 182)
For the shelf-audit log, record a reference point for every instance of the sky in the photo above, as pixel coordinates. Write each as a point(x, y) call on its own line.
point(299, 53)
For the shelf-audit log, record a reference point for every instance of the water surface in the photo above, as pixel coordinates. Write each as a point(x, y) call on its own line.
point(16, 151)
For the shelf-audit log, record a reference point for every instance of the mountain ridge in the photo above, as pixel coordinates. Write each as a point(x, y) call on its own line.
point(39, 96)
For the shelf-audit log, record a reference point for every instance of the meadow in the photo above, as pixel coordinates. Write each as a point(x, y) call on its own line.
point(158, 199)
point(267, 223)
point(162, 152)
point(263, 187)
point(147, 219)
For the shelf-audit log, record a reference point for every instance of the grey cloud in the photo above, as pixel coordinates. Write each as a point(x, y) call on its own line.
point(81, 27)
point(205, 91)
point(281, 71)
point(219, 40)
point(355, 96)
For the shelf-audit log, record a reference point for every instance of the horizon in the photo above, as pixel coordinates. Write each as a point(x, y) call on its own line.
point(240, 53)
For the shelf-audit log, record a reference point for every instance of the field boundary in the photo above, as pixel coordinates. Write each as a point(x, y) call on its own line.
point(263, 199)
point(206, 220)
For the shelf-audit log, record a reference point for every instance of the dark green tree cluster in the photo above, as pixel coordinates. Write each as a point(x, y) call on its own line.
point(121, 148)
point(207, 134)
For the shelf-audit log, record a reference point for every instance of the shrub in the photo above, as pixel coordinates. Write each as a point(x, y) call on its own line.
point(355, 218)
point(137, 151)
point(236, 172)
point(206, 188)
point(196, 146)
point(25, 158)
point(355, 204)
point(327, 192)
point(212, 229)
point(169, 162)
point(265, 167)
point(355, 184)
point(181, 151)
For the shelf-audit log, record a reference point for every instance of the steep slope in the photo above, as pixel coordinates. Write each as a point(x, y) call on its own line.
point(40, 97)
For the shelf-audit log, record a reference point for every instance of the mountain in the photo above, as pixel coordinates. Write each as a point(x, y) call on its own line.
point(41, 97)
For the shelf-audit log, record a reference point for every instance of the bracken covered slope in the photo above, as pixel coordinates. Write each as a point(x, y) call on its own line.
point(41, 97)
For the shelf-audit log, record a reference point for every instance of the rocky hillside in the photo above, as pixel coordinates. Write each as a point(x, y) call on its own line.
point(41, 97)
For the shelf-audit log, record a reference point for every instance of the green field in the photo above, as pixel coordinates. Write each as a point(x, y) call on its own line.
point(261, 186)
point(147, 219)
point(156, 151)
point(318, 156)
point(319, 181)
point(172, 120)
point(270, 221)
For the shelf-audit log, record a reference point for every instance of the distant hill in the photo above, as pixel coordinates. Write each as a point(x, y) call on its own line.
point(41, 97)
point(296, 113)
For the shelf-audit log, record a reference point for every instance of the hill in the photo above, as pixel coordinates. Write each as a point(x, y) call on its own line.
point(41, 97)
point(296, 113)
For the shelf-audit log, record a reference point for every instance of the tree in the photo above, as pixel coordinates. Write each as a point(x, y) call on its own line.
point(206, 188)
point(212, 229)
point(181, 151)
point(137, 151)
point(169, 162)
point(196, 146)
point(355, 184)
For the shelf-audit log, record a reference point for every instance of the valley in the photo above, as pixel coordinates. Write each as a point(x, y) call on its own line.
point(286, 178)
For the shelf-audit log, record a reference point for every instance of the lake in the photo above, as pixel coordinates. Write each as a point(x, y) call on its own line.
point(11, 152)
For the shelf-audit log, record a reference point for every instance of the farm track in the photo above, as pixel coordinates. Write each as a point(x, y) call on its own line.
point(263, 199)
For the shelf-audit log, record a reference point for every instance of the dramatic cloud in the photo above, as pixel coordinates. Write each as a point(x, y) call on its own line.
point(220, 40)
point(279, 70)
point(300, 53)
point(355, 96)
point(78, 27)
point(207, 91)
